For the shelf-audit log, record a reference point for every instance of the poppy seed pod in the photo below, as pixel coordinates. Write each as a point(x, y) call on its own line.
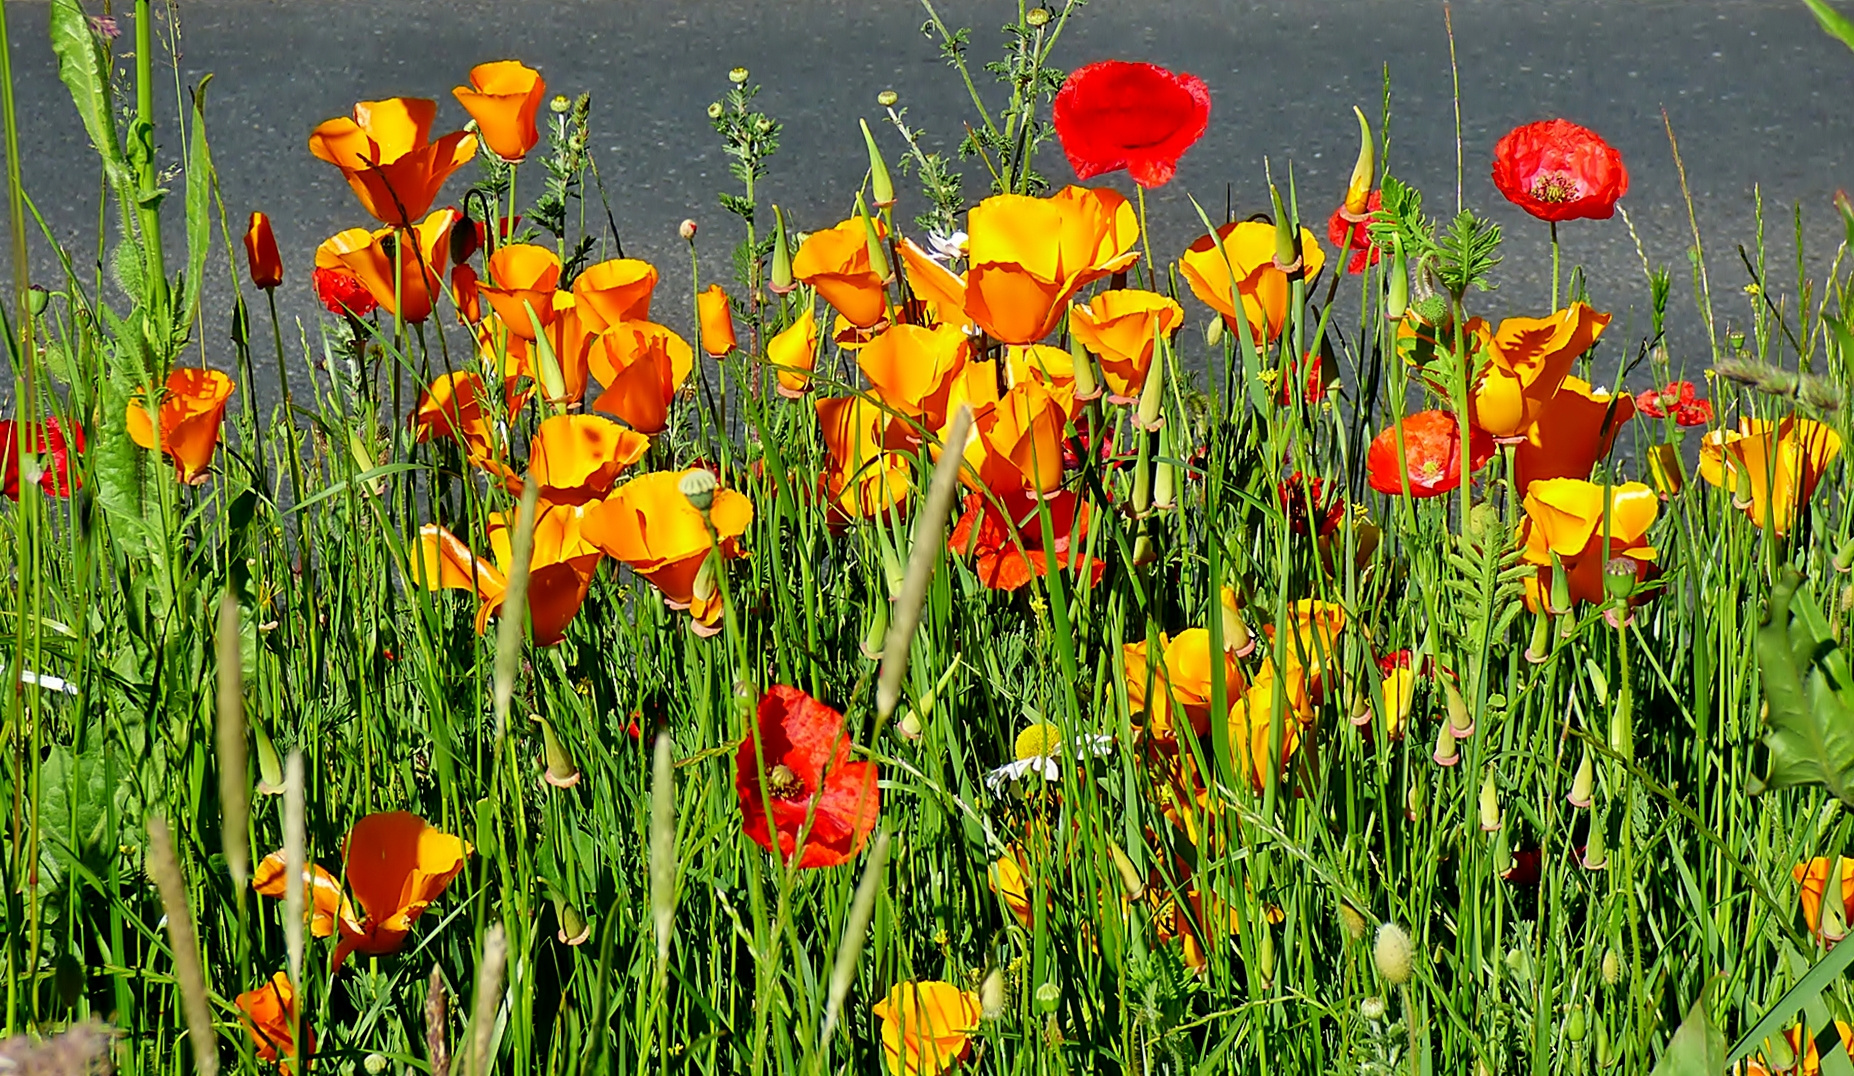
point(1391, 954)
point(1372, 1008)
point(698, 486)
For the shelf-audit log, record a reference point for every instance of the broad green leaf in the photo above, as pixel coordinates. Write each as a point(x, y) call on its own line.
point(117, 463)
point(1810, 731)
point(200, 182)
point(1697, 1048)
point(1834, 24)
point(81, 66)
point(1806, 994)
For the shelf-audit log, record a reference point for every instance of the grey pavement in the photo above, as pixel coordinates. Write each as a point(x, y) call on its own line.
point(1756, 94)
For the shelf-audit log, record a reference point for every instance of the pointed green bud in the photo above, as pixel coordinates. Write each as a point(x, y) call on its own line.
point(781, 282)
point(1583, 785)
point(1397, 289)
point(1490, 803)
point(881, 188)
point(875, 629)
point(878, 254)
point(1287, 246)
point(1358, 191)
point(553, 383)
point(561, 770)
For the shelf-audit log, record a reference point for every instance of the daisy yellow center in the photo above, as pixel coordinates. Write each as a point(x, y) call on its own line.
point(1554, 187)
point(1038, 741)
point(784, 783)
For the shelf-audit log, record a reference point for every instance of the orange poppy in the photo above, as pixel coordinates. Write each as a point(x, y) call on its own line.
point(717, 321)
point(1251, 721)
point(1016, 442)
point(190, 411)
point(560, 568)
point(386, 155)
point(1576, 428)
point(1772, 472)
point(576, 458)
point(641, 364)
point(1182, 679)
point(615, 290)
point(1566, 518)
point(455, 405)
point(650, 526)
point(503, 98)
point(835, 261)
point(567, 338)
point(466, 294)
point(1120, 327)
point(269, 1015)
point(373, 256)
point(911, 369)
point(396, 866)
point(926, 1027)
point(1008, 879)
point(1052, 366)
point(1247, 249)
point(522, 278)
point(863, 479)
point(336, 285)
point(793, 353)
point(1812, 877)
point(261, 256)
point(1528, 359)
point(1006, 546)
point(1806, 1055)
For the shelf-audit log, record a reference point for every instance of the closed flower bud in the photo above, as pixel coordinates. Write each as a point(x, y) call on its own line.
point(908, 726)
point(1834, 919)
point(714, 110)
point(1391, 954)
point(717, 321)
point(559, 104)
point(1130, 882)
point(1372, 1008)
point(261, 256)
point(698, 486)
point(737, 75)
point(1596, 854)
point(1358, 190)
point(1666, 470)
point(1048, 996)
point(1583, 784)
point(878, 254)
point(1397, 287)
point(1287, 244)
point(1352, 923)
point(1037, 16)
point(1460, 721)
point(887, 98)
point(1213, 333)
point(1574, 1025)
point(1490, 803)
point(991, 994)
point(1086, 387)
point(574, 930)
point(1413, 802)
point(1519, 965)
point(1611, 968)
point(1538, 649)
point(375, 1064)
point(561, 772)
point(881, 187)
point(703, 588)
point(781, 282)
point(1236, 636)
point(1446, 753)
point(1265, 958)
point(686, 229)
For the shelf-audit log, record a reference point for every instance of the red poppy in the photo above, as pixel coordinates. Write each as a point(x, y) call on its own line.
point(342, 292)
point(1431, 452)
point(48, 439)
point(991, 537)
point(1322, 374)
point(1364, 252)
point(1556, 170)
point(808, 775)
point(1310, 507)
point(1677, 399)
point(1137, 116)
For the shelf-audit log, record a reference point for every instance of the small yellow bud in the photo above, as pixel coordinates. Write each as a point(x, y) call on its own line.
point(1037, 16)
point(887, 98)
point(714, 110)
point(737, 76)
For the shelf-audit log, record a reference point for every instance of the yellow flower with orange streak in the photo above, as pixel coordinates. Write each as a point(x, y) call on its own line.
point(926, 1026)
point(1121, 328)
point(793, 354)
point(1567, 518)
point(521, 276)
point(863, 479)
point(577, 458)
point(911, 369)
point(615, 290)
point(1246, 249)
point(641, 364)
point(1027, 258)
point(648, 525)
point(1771, 470)
point(560, 569)
point(503, 98)
point(386, 154)
point(835, 261)
point(567, 337)
point(1008, 878)
point(1812, 878)
point(1052, 366)
point(1252, 725)
point(1015, 444)
point(1527, 360)
point(402, 277)
point(1181, 679)
point(190, 410)
point(1575, 428)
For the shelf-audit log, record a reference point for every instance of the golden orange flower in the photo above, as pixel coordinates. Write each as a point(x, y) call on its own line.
point(503, 98)
point(717, 321)
point(641, 364)
point(1120, 327)
point(835, 261)
point(190, 411)
point(386, 155)
point(615, 290)
point(1812, 877)
point(863, 479)
point(793, 353)
point(650, 526)
point(327, 904)
point(926, 1027)
point(1016, 442)
point(1567, 518)
point(1528, 359)
point(1054, 367)
point(1771, 471)
point(1247, 249)
point(522, 278)
point(1252, 727)
point(261, 256)
point(270, 1016)
point(1181, 679)
point(576, 458)
point(560, 569)
point(373, 256)
point(455, 405)
point(911, 369)
point(1007, 878)
point(1576, 427)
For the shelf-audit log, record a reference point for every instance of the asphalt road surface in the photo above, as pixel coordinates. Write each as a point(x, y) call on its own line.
point(1758, 97)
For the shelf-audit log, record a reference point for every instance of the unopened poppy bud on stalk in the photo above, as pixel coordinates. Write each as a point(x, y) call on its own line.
point(875, 632)
point(1287, 247)
point(1490, 804)
point(1372, 1008)
point(1460, 721)
point(1236, 636)
point(574, 930)
point(991, 994)
point(1596, 855)
point(1397, 289)
point(1130, 882)
point(1352, 923)
point(717, 321)
point(687, 230)
point(1391, 954)
point(1583, 783)
point(878, 254)
point(881, 187)
point(560, 772)
point(1358, 191)
point(781, 282)
point(261, 255)
point(1446, 752)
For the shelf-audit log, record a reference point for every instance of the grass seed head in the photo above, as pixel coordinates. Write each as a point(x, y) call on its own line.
point(1391, 954)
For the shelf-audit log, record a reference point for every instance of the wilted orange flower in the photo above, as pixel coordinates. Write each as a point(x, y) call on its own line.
point(576, 458)
point(615, 290)
point(912, 368)
point(396, 865)
point(1183, 679)
point(926, 1027)
point(1576, 428)
point(559, 571)
point(269, 1015)
point(386, 155)
point(641, 364)
point(372, 257)
point(717, 321)
point(1247, 249)
point(261, 256)
point(1016, 442)
point(522, 278)
point(1772, 472)
point(1120, 327)
point(1528, 358)
point(649, 525)
point(190, 411)
point(455, 405)
point(793, 353)
point(503, 98)
point(1565, 517)
point(465, 293)
point(835, 261)
point(864, 479)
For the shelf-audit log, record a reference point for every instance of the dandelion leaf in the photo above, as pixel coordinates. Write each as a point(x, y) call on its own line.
point(1810, 692)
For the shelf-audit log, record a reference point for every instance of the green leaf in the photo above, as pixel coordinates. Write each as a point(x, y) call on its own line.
point(117, 463)
point(1810, 732)
point(200, 182)
point(1834, 24)
point(81, 66)
point(1806, 993)
point(1697, 1048)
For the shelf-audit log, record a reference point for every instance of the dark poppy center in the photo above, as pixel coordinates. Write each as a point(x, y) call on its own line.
point(1555, 187)
point(784, 783)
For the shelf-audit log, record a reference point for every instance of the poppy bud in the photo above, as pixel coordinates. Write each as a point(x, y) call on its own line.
point(1391, 954)
point(875, 630)
point(270, 767)
point(1048, 997)
point(1844, 557)
point(1352, 923)
point(1413, 803)
point(1213, 333)
point(1606, 1052)
point(1372, 1008)
point(1265, 958)
point(1151, 395)
point(1287, 246)
point(991, 994)
point(1582, 785)
point(1086, 387)
point(1519, 965)
point(1446, 753)
point(1358, 191)
point(1610, 970)
point(261, 255)
point(1574, 1028)
point(698, 485)
point(1460, 721)
point(1237, 639)
point(687, 230)
point(1561, 591)
point(1834, 919)
point(561, 772)
point(464, 240)
point(1596, 855)
point(881, 187)
point(1779, 1054)
point(703, 588)
point(878, 254)
point(1538, 651)
point(1490, 803)
point(547, 364)
point(1504, 864)
point(1130, 882)
point(1397, 289)
point(574, 930)
point(1165, 485)
point(781, 282)
point(909, 727)
point(717, 321)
